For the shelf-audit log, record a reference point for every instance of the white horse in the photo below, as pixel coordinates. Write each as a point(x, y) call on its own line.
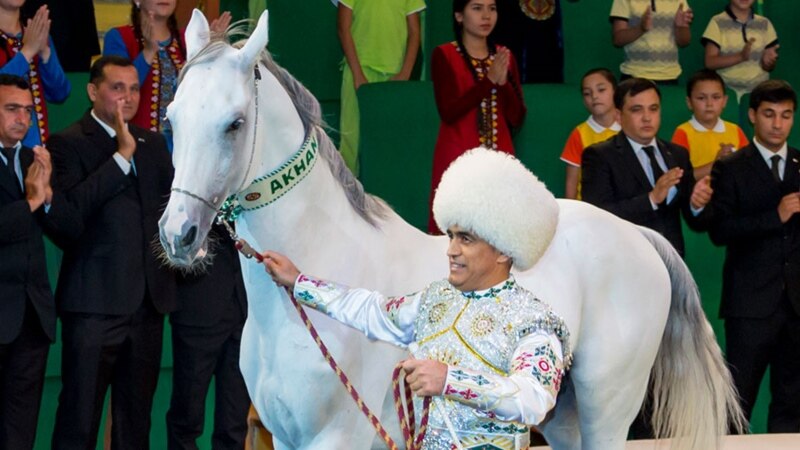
point(628, 300)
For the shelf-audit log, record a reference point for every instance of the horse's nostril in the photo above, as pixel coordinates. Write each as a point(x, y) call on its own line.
point(191, 235)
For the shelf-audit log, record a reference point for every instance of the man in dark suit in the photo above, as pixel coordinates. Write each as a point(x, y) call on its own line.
point(28, 207)
point(755, 204)
point(639, 177)
point(112, 292)
point(206, 336)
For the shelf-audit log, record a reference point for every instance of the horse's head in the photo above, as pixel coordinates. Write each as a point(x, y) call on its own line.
point(212, 117)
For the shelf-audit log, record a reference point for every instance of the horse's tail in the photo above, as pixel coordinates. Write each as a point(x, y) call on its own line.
point(693, 397)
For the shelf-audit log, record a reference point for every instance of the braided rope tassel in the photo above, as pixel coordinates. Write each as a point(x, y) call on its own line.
point(407, 420)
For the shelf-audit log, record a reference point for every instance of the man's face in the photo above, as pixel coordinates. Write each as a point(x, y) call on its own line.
point(119, 85)
point(640, 116)
point(772, 123)
point(707, 101)
point(16, 106)
point(474, 264)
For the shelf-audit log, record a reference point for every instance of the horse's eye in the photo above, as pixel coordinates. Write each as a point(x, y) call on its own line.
point(235, 125)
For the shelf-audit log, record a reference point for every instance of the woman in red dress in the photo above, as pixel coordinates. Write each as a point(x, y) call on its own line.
point(477, 89)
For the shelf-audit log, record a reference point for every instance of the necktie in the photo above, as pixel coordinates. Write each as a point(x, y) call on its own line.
point(651, 154)
point(9, 154)
point(776, 173)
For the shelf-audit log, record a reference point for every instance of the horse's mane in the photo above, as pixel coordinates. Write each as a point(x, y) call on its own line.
point(369, 207)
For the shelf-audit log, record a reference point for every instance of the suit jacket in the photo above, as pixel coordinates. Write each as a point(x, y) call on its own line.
point(23, 267)
point(762, 258)
point(218, 295)
point(107, 269)
point(613, 179)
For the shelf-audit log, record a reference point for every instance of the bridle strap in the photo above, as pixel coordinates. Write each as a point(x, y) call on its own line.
point(196, 197)
point(256, 79)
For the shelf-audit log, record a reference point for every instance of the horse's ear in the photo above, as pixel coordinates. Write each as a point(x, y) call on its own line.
point(197, 34)
point(256, 43)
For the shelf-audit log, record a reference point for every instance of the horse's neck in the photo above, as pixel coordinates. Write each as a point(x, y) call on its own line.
point(314, 223)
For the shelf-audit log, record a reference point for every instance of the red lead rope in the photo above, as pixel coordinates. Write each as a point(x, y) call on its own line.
point(404, 407)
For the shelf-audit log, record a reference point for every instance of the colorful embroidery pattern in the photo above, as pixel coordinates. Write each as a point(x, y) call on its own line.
point(487, 113)
point(444, 355)
point(461, 375)
point(466, 394)
point(15, 44)
point(482, 325)
point(522, 361)
point(492, 292)
point(502, 427)
point(161, 96)
point(544, 368)
point(392, 307)
point(437, 313)
point(311, 298)
point(481, 442)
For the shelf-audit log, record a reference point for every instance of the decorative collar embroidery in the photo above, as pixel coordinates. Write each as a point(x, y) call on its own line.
point(493, 291)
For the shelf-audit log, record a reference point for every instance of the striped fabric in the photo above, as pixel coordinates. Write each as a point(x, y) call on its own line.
point(730, 36)
point(655, 54)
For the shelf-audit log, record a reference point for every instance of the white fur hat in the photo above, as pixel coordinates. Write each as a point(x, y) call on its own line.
point(494, 196)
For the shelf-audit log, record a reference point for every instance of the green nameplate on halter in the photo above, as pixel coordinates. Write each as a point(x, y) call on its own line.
point(277, 183)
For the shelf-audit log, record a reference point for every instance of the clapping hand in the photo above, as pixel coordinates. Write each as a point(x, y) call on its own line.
point(684, 16)
point(664, 183)
point(220, 24)
point(42, 157)
point(724, 150)
point(748, 47)
point(150, 43)
point(770, 57)
point(701, 194)
point(35, 39)
point(498, 72)
point(647, 20)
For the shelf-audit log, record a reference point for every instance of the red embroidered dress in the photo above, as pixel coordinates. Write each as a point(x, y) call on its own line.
point(474, 113)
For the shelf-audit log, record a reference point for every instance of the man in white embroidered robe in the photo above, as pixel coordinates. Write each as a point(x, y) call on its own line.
point(491, 354)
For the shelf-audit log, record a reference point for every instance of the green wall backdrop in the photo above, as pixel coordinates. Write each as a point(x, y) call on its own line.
point(400, 123)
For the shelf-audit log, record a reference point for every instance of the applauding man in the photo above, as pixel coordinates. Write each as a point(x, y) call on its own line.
point(28, 207)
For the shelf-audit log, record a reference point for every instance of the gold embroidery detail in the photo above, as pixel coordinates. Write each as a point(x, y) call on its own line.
point(445, 356)
point(469, 348)
point(437, 313)
point(482, 325)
